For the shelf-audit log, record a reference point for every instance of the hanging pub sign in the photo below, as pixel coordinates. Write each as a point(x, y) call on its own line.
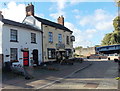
point(72, 38)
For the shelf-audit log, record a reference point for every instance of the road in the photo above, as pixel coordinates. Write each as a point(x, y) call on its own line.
point(100, 75)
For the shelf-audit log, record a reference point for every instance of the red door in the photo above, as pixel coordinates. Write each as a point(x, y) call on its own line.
point(26, 58)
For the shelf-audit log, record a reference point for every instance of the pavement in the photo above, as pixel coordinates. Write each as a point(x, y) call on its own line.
point(42, 76)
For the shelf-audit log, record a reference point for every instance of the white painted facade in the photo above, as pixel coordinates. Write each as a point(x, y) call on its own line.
point(1, 37)
point(24, 41)
point(30, 20)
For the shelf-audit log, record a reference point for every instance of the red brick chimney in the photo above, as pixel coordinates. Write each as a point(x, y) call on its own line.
point(61, 20)
point(30, 10)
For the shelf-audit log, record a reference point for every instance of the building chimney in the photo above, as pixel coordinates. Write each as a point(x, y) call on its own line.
point(30, 10)
point(60, 20)
point(1, 16)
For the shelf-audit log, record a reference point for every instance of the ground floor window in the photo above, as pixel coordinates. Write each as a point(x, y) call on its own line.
point(13, 55)
point(51, 53)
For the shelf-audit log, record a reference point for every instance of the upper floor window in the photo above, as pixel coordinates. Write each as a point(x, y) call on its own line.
point(50, 37)
point(60, 38)
point(13, 55)
point(67, 40)
point(13, 35)
point(33, 38)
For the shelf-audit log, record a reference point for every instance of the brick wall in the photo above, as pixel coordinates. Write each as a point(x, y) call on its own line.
point(85, 51)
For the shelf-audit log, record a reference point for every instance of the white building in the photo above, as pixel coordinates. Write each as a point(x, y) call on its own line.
point(57, 39)
point(20, 43)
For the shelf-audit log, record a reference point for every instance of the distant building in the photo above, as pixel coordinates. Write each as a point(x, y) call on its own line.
point(57, 39)
point(111, 51)
point(85, 51)
point(108, 49)
point(20, 43)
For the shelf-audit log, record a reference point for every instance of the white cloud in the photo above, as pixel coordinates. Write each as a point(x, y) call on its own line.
point(101, 20)
point(61, 4)
point(76, 11)
point(14, 12)
point(59, 7)
point(81, 38)
point(56, 15)
point(77, 16)
point(85, 20)
point(40, 15)
point(104, 25)
point(90, 31)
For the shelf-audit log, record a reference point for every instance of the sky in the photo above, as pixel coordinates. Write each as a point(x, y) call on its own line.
point(89, 21)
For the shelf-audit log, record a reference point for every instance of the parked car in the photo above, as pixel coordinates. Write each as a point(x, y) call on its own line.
point(114, 57)
point(96, 56)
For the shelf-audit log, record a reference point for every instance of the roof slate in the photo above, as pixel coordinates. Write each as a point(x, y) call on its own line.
point(53, 24)
point(10, 22)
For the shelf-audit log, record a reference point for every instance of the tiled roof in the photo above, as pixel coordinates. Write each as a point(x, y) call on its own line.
point(53, 24)
point(14, 23)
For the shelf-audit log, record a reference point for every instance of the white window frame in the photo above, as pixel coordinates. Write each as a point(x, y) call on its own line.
point(13, 35)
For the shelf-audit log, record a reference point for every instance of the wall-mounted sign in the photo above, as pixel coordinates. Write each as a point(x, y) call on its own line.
point(72, 38)
point(60, 46)
point(24, 49)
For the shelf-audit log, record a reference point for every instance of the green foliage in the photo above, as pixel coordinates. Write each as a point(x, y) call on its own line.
point(114, 37)
point(116, 23)
point(106, 39)
point(111, 38)
point(97, 45)
point(79, 47)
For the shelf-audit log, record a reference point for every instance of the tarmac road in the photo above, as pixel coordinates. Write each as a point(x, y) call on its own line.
point(100, 75)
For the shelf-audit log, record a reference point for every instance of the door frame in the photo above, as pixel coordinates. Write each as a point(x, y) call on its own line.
point(36, 62)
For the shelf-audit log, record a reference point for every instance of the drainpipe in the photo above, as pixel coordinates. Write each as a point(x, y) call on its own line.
point(42, 43)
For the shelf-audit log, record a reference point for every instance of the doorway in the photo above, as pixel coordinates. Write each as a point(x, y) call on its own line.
point(26, 58)
point(35, 56)
point(60, 55)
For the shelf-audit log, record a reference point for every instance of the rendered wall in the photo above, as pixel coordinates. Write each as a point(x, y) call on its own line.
point(24, 41)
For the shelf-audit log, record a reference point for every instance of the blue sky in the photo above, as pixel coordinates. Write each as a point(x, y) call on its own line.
point(89, 21)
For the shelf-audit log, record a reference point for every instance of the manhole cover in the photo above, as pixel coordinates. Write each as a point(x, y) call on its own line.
point(91, 85)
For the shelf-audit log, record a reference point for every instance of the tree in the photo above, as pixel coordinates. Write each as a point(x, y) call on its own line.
point(114, 37)
point(79, 47)
point(116, 23)
point(106, 39)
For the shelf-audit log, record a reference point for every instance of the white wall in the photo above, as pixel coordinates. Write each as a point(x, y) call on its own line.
point(30, 20)
point(24, 41)
point(1, 37)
